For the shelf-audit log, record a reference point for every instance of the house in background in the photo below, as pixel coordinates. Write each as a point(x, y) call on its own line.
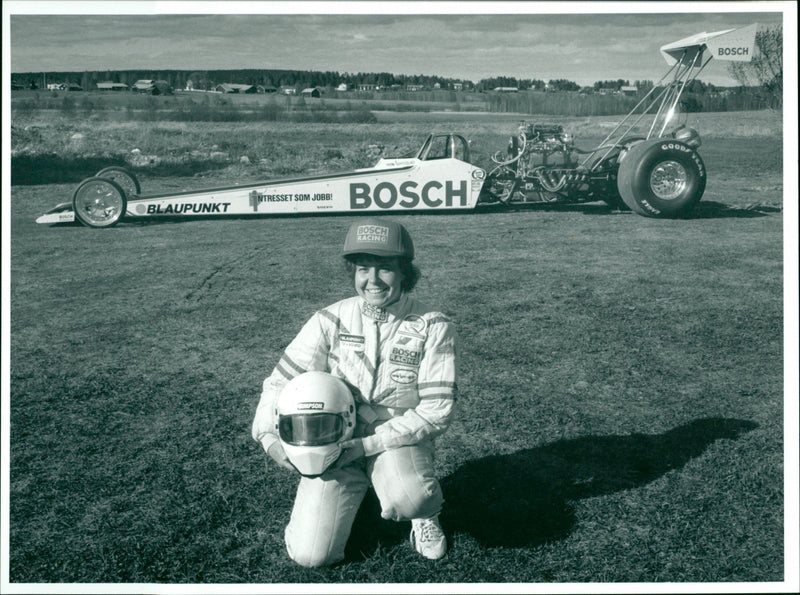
point(109, 86)
point(311, 92)
point(152, 87)
point(143, 86)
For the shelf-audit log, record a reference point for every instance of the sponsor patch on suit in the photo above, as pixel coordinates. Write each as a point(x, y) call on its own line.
point(352, 342)
point(413, 326)
point(401, 376)
point(405, 357)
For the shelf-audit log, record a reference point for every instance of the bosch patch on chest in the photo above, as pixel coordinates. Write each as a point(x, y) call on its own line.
point(406, 357)
point(351, 341)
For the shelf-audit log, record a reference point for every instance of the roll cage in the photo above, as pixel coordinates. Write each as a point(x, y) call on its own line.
point(444, 146)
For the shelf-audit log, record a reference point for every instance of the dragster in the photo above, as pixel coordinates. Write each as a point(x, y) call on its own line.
point(439, 177)
point(657, 173)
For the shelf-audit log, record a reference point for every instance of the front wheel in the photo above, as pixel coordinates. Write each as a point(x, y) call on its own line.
point(661, 178)
point(99, 202)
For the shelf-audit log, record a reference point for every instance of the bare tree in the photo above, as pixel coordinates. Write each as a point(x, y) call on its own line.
point(766, 68)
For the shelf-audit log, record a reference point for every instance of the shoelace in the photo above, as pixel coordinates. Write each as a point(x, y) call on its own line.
point(429, 531)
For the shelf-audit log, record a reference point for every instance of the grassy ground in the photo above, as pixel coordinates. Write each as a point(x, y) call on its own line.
point(620, 419)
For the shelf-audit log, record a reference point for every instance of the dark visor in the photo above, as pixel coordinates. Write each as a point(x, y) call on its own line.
point(311, 429)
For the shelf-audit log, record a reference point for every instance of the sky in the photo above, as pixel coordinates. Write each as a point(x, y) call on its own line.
point(577, 41)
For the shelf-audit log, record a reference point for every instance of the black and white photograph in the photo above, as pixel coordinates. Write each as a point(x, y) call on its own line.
point(399, 297)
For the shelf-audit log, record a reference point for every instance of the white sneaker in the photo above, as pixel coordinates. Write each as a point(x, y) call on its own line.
point(428, 538)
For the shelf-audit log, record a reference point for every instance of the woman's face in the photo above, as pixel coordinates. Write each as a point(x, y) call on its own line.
point(378, 280)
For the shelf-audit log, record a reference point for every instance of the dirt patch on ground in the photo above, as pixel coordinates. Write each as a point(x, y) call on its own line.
point(54, 169)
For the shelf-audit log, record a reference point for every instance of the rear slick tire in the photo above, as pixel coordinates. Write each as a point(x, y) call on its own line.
point(661, 178)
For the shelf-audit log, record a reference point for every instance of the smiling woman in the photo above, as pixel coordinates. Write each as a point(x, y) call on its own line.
point(398, 359)
point(378, 280)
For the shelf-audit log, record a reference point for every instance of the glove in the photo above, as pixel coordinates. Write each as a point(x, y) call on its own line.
point(278, 455)
point(351, 450)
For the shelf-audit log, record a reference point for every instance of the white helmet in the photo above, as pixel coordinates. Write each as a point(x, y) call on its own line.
point(314, 412)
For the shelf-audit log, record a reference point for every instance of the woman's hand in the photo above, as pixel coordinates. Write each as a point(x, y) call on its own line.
point(351, 451)
point(276, 452)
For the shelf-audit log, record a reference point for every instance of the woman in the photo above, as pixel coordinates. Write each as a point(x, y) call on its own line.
point(398, 357)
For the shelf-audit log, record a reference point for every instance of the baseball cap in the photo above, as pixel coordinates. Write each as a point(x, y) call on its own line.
point(380, 237)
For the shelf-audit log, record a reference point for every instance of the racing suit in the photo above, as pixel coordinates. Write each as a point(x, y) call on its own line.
point(400, 363)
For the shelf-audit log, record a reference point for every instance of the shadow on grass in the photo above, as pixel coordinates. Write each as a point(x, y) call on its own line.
point(585, 208)
point(703, 210)
point(718, 210)
point(526, 498)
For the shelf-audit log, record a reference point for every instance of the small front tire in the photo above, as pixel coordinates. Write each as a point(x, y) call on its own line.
point(99, 202)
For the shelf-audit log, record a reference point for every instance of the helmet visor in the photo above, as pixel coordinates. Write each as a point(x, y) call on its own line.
point(311, 429)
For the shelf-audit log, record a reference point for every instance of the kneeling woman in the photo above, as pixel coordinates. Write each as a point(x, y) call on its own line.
point(398, 358)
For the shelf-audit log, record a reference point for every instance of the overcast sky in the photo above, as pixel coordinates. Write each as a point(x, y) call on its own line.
point(582, 43)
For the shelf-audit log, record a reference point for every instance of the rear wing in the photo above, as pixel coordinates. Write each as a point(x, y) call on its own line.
point(735, 45)
point(686, 57)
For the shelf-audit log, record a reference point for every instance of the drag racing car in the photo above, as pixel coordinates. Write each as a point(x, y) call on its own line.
point(439, 177)
point(658, 173)
point(655, 173)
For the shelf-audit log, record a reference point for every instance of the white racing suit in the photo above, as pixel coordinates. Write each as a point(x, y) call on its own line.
point(400, 363)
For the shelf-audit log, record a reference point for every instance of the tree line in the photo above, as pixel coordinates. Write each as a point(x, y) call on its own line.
point(209, 79)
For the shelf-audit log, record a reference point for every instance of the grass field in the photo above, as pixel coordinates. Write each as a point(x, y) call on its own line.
point(621, 409)
point(50, 148)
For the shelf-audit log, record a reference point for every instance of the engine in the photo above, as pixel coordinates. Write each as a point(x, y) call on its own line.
point(541, 159)
point(542, 144)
